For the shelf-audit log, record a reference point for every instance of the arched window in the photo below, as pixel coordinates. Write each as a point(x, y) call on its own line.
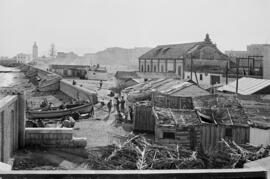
point(155, 68)
point(142, 68)
point(148, 68)
point(161, 68)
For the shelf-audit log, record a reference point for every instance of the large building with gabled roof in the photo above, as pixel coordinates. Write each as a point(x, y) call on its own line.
point(176, 58)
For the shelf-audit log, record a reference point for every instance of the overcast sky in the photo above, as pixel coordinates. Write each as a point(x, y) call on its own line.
point(90, 25)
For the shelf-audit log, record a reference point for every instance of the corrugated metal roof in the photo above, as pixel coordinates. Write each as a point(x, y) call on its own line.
point(246, 86)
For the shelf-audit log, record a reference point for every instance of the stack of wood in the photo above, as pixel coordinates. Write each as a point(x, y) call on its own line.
point(235, 156)
point(139, 153)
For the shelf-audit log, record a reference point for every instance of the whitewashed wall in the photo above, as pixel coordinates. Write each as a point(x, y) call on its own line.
point(259, 136)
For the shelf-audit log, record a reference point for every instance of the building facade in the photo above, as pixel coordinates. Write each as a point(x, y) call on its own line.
point(175, 58)
point(23, 58)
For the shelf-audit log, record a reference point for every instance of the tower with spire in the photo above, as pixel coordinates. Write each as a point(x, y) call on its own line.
point(35, 51)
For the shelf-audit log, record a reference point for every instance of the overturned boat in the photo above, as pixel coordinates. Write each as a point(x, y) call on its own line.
point(82, 109)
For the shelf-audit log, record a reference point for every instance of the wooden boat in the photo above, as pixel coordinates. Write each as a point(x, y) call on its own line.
point(36, 114)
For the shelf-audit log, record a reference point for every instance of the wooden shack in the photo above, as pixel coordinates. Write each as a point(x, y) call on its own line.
point(177, 127)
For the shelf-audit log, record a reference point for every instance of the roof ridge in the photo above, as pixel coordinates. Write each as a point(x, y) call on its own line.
point(199, 42)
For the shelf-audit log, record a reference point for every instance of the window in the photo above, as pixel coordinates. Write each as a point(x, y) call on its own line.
point(148, 68)
point(142, 68)
point(162, 68)
point(228, 132)
point(188, 77)
point(154, 68)
point(214, 79)
point(201, 77)
point(168, 135)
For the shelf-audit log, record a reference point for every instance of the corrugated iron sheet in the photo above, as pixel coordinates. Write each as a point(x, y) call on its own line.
point(246, 86)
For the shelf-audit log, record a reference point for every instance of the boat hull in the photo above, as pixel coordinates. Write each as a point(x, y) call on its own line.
point(86, 108)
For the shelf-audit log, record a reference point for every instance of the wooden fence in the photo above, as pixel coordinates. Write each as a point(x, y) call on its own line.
point(143, 118)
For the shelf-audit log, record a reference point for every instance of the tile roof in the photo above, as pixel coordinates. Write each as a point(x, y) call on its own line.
point(246, 86)
point(170, 51)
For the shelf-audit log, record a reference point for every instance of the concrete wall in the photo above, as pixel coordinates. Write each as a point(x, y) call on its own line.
point(52, 138)
point(95, 75)
point(9, 127)
point(253, 173)
point(259, 136)
point(77, 92)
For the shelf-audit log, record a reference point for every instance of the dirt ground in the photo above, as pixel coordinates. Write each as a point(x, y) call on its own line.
point(100, 129)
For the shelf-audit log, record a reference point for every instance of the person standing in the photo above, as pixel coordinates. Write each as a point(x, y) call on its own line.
point(131, 113)
point(109, 105)
point(117, 103)
point(122, 104)
point(100, 84)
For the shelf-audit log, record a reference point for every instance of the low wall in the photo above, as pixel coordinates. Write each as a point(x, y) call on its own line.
point(77, 92)
point(52, 138)
point(132, 174)
point(11, 126)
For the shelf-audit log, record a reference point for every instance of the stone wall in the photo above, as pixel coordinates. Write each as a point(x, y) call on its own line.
point(11, 126)
point(52, 138)
point(77, 92)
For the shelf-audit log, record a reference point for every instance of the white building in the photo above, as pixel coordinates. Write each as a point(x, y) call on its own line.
point(23, 58)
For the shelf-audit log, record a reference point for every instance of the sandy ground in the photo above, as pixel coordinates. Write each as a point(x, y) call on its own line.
point(101, 129)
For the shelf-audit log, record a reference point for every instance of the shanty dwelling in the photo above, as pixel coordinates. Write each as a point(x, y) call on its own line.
point(166, 93)
point(124, 79)
point(177, 126)
point(172, 59)
point(257, 108)
point(222, 117)
point(247, 86)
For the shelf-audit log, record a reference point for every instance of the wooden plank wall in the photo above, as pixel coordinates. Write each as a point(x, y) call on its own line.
point(143, 119)
point(211, 134)
point(174, 102)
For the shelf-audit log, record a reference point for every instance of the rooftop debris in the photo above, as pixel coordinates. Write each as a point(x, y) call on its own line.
point(139, 153)
point(223, 109)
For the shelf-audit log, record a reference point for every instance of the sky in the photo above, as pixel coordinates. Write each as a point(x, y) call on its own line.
point(86, 26)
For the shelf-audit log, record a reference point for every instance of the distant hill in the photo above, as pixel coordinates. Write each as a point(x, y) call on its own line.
point(118, 56)
point(114, 56)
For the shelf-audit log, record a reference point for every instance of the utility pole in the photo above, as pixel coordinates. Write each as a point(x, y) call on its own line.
point(237, 73)
point(191, 66)
point(227, 69)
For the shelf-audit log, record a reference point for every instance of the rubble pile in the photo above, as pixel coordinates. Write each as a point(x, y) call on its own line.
point(139, 153)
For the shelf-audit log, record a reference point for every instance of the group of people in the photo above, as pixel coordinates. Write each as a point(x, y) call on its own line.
point(119, 105)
